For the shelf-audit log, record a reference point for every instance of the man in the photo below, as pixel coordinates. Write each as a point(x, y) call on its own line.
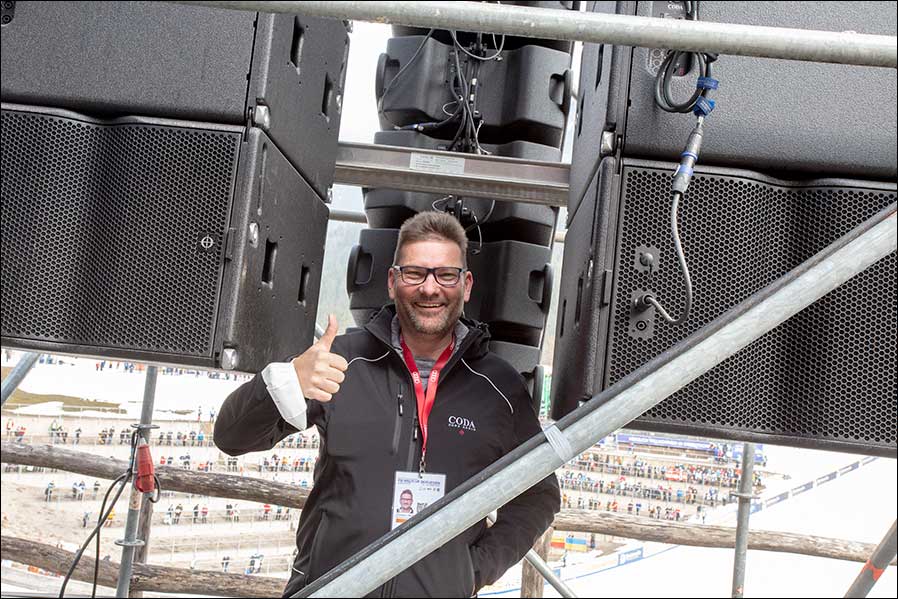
point(414, 396)
point(405, 502)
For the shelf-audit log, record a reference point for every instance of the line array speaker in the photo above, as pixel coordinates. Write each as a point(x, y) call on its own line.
point(283, 73)
point(824, 379)
point(791, 118)
point(155, 240)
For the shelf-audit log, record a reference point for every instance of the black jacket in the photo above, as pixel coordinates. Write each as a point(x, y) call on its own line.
point(365, 440)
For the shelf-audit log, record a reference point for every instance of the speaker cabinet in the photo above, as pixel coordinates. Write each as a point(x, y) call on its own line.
point(785, 117)
point(155, 240)
point(523, 97)
point(284, 73)
point(824, 379)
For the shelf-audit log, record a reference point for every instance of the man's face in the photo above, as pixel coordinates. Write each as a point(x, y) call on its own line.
point(405, 500)
point(429, 308)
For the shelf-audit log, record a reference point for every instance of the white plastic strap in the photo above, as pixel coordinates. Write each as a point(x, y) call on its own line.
point(560, 444)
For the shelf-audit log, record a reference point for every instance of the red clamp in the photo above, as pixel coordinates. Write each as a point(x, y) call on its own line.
point(146, 481)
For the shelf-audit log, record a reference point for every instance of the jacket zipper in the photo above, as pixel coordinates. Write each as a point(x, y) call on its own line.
point(389, 588)
point(413, 446)
point(398, 428)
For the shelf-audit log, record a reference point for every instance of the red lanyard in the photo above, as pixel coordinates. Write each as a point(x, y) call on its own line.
point(425, 402)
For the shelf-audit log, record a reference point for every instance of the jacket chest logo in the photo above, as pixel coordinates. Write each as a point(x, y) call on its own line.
point(463, 424)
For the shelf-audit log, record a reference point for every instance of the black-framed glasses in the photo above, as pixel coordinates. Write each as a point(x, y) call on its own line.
point(446, 276)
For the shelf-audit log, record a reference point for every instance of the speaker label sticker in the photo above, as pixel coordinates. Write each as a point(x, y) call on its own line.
point(445, 165)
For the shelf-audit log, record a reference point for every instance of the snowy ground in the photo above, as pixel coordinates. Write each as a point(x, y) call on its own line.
point(859, 506)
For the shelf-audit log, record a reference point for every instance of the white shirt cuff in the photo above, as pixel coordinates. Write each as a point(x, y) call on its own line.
point(283, 386)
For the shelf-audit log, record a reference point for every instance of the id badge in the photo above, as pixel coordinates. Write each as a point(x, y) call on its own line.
point(412, 492)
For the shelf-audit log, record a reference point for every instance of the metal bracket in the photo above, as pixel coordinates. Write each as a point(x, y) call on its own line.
point(434, 171)
point(606, 146)
point(744, 495)
point(262, 117)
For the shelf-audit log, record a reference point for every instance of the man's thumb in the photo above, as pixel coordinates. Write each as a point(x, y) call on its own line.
point(328, 338)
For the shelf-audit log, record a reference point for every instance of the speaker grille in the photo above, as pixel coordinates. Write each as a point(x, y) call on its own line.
point(112, 233)
point(827, 374)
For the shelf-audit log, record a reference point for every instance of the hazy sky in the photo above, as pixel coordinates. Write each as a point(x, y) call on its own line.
point(359, 120)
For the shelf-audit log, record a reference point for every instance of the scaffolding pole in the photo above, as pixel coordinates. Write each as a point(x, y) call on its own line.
point(131, 542)
point(544, 570)
point(883, 554)
point(843, 47)
point(18, 374)
point(610, 410)
point(745, 496)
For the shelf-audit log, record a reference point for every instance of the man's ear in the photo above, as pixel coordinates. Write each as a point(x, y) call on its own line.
point(469, 284)
point(391, 282)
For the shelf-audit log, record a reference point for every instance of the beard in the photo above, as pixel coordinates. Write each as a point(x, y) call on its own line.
point(438, 324)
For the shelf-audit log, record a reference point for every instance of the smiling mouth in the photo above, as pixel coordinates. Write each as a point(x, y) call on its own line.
point(427, 307)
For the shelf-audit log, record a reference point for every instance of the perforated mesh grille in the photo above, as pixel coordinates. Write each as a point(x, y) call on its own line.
point(826, 374)
point(103, 228)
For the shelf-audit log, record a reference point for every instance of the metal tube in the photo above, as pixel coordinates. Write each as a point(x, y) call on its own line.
point(144, 528)
point(130, 542)
point(348, 216)
point(19, 372)
point(543, 568)
point(649, 32)
point(883, 554)
point(745, 495)
point(611, 409)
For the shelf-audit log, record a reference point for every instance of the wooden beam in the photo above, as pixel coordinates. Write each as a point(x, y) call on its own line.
point(171, 477)
point(158, 579)
point(706, 535)
point(265, 491)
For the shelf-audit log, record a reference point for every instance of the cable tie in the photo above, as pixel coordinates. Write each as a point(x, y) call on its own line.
point(707, 83)
point(560, 444)
point(703, 106)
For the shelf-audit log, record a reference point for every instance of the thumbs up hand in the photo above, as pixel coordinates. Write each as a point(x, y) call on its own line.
point(319, 371)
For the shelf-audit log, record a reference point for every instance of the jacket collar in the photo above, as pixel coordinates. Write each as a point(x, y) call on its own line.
point(475, 344)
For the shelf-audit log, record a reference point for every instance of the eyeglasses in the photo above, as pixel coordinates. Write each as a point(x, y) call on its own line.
point(446, 276)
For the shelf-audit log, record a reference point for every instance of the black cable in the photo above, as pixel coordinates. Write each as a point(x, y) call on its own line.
point(482, 221)
point(462, 94)
point(474, 56)
point(124, 478)
point(489, 212)
point(95, 532)
point(663, 97)
point(104, 516)
point(649, 298)
point(479, 236)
